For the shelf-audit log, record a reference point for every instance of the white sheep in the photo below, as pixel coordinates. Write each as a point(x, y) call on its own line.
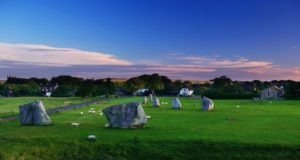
point(107, 125)
point(75, 124)
point(81, 113)
point(148, 117)
point(93, 111)
point(91, 137)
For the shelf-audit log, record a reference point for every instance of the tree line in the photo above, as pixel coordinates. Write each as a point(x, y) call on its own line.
point(61, 86)
point(68, 86)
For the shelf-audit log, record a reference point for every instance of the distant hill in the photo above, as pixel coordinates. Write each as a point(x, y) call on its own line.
point(119, 80)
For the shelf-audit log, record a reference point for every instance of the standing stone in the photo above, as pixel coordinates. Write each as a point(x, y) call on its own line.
point(151, 97)
point(34, 113)
point(145, 100)
point(156, 102)
point(128, 115)
point(176, 103)
point(207, 104)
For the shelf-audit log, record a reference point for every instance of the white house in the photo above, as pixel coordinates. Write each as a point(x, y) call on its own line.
point(272, 93)
point(141, 91)
point(186, 92)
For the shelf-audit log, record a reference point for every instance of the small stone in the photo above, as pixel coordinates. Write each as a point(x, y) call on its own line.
point(176, 104)
point(156, 102)
point(145, 100)
point(207, 104)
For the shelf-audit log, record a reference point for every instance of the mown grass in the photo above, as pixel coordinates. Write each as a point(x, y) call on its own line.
point(10, 106)
point(255, 130)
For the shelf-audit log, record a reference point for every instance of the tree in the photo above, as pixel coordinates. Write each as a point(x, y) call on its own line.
point(110, 86)
point(221, 82)
point(64, 91)
point(258, 85)
point(3, 89)
point(67, 80)
point(292, 90)
point(133, 84)
point(87, 89)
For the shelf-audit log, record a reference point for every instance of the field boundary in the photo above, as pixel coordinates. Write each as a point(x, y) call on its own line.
point(58, 109)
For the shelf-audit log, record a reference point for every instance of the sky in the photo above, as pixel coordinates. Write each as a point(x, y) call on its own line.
point(182, 39)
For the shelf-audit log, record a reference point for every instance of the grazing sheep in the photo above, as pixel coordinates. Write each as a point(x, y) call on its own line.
point(237, 106)
point(75, 124)
point(91, 138)
point(148, 117)
point(106, 125)
point(93, 111)
point(100, 113)
point(81, 113)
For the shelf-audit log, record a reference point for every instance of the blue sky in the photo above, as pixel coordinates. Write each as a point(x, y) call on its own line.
point(187, 39)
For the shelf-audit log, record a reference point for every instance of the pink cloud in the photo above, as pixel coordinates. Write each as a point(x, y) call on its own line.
point(27, 60)
point(52, 56)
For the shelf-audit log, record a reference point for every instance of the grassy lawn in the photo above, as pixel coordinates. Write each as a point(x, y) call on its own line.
point(255, 130)
point(10, 106)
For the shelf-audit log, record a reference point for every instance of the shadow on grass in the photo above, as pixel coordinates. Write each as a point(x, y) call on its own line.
point(141, 149)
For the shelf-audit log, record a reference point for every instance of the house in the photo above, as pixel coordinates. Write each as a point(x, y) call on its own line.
point(186, 92)
point(48, 89)
point(272, 93)
point(141, 92)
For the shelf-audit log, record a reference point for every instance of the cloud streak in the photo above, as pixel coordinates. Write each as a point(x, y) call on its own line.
point(28, 60)
point(44, 55)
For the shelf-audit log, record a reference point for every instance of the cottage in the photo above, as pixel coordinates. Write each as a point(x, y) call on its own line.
point(185, 92)
point(141, 92)
point(272, 93)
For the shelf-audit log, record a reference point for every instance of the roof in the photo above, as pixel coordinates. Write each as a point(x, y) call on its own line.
point(274, 88)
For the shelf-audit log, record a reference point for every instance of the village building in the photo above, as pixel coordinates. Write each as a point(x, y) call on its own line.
point(272, 93)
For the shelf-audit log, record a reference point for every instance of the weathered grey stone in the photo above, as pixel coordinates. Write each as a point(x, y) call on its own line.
point(151, 97)
point(145, 100)
point(207, 104)
point(34, 113)
point(176, 103)
point(128, 115)
point(155, 102)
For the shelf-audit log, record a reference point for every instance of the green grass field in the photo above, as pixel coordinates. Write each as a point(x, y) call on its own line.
point(255, 130)
point(10, 106)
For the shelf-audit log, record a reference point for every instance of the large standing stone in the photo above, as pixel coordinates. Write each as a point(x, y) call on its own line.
point(34, 113)
point(145, 100)
point(176, 103)
point(155, 102)
point(207, 104)
point(128, 115)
